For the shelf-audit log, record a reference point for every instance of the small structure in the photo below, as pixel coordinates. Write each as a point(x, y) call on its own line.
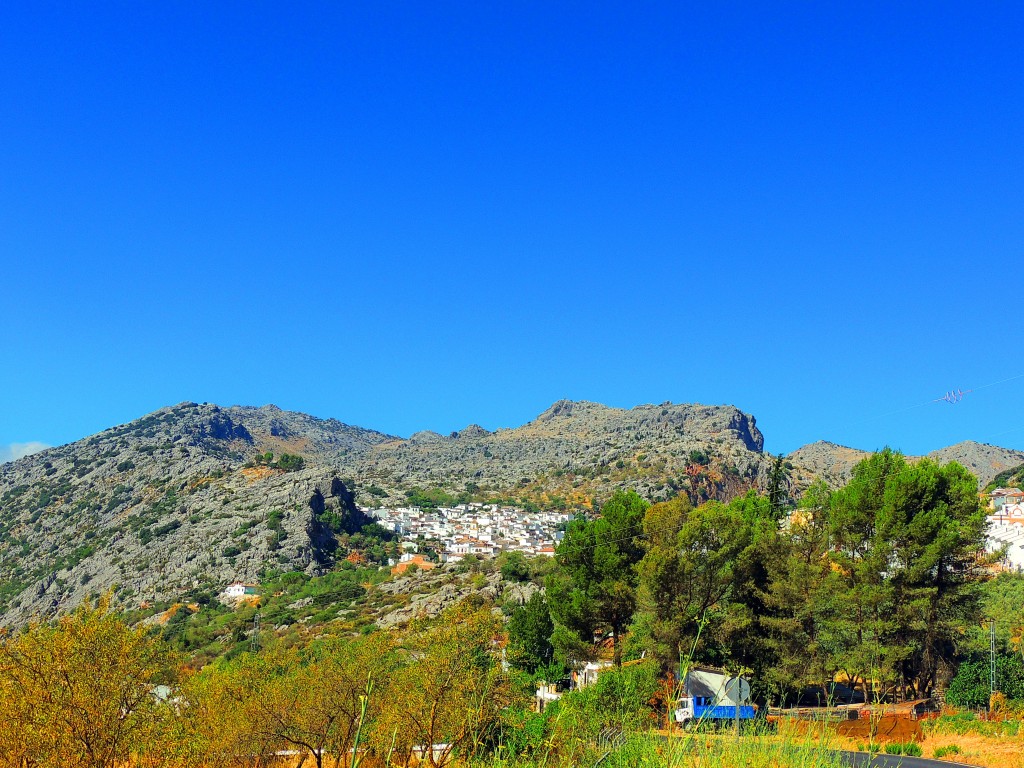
point(546, 693)
point(408, 561)
point(588, 675)
point(238, 590)
point(1001, 496)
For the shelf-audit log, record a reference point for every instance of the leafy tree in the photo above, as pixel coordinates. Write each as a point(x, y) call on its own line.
point(1002, 599)
point(778, 480)
point(971, 687)
point(804, 596)
point(931, 532)
point(909, 541)
point(513, 566)
point(596, 586)
point(743, 629)
point(451, 689)
point(310, 700)
point(431, 498)
point(290, 462)
point(688, 571)
point(529, 635)
point(80, 691)
point(865, 631)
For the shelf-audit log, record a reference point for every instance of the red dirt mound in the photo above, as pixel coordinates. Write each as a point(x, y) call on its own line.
point(898, 729)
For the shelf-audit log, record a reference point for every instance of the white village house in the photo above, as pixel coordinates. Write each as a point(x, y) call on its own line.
point(236, 590)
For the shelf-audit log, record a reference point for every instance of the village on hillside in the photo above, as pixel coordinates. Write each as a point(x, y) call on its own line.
point(472, 529)
point(486, 530)
point(1006, 526)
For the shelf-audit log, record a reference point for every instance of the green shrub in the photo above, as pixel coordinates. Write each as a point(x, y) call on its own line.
point(620, 699)
point(951, 749)
point(971, 686)
point(524, 732)
point(964, 723)
point(908, 748)
point(290, 462)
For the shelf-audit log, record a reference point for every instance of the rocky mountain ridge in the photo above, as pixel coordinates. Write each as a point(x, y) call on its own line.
point(835, 463)
point(186, 498)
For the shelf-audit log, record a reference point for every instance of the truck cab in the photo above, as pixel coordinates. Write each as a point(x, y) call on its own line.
point(684, 711)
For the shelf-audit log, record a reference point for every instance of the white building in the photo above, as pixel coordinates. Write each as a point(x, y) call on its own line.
point(237, 590)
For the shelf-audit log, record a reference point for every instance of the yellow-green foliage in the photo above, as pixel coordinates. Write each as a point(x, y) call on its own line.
point(79, 692)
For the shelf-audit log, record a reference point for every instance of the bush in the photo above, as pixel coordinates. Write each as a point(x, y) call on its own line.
point(963, 723)
point(290, 462)
point(908, 748)
point(970, 688)
point(524, 732)
point(951, 749)
point(620, 698)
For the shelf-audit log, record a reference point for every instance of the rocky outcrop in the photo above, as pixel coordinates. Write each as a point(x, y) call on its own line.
point(581, 450)
point(436, 591)
point(835, 463)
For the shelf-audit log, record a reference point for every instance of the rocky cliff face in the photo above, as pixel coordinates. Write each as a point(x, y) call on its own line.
point(576, 451)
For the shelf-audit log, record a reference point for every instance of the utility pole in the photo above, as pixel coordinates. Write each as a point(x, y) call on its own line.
point(254, 642)
point(992, 657)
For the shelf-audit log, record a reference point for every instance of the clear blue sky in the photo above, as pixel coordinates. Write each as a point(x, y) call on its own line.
point(417, 216)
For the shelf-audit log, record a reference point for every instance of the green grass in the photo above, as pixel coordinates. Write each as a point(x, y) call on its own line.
point(908, 748)
point(965, 723)
point(756, 749)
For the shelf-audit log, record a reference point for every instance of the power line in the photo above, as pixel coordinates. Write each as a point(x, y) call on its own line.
point(952, 397)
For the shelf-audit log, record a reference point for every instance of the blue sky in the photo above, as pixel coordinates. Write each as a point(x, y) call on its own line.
point(421, 215)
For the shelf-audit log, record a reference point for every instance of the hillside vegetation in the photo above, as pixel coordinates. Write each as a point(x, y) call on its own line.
point(882, 583)
point(187, 499)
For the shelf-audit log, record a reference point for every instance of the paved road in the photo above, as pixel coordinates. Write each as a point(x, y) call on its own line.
point(864, 760)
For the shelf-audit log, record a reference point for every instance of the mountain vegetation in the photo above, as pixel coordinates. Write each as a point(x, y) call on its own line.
point(881, 583)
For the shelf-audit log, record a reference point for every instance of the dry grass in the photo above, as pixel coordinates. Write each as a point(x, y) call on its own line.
point(254, 474)
point(985, 750)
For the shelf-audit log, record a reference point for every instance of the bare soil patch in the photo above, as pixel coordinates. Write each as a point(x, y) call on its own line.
point(882, 730)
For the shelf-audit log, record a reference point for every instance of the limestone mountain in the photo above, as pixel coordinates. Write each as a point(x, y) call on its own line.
point(187, 498)
point(194, 496)
point(829, 461)
point(984, 460)
point(169, 502)
point(576, 451)
point(835, 463)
